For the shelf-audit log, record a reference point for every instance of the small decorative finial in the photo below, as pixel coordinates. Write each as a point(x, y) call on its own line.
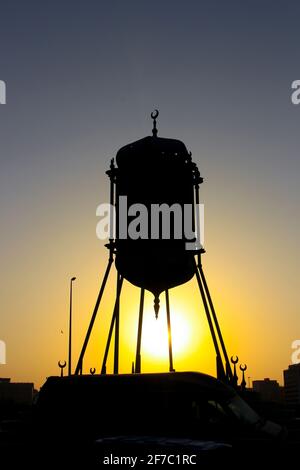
point(154, 115)
point(62, 365)
point(92, 370)
point(156, 305)
point(234, 361)
point(243, 368)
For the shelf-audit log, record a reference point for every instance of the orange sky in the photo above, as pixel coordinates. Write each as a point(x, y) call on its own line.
point(247, 288)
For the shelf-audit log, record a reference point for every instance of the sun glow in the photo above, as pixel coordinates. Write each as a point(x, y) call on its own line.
point(155, 334)
point(192, 345)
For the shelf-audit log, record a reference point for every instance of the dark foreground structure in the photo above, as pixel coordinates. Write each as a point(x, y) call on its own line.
point(140, 415)
point(155, 419)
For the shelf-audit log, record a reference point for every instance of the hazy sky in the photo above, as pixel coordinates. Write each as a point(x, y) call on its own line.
point(82, 78)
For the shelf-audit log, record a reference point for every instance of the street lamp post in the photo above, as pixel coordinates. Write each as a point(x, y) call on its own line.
point(70, 329)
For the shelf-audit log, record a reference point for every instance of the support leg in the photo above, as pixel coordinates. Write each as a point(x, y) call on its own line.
point(139, 335)
point(79, 366)
point(220, 369)
point(212, 309)
point(171, 368)
point(112, 323)
point(117, 325)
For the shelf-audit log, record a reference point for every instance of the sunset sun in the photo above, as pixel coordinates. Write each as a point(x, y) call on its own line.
point(155, 334)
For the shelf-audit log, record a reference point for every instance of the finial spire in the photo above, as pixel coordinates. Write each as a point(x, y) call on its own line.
point(243, 368)
point(156, 305)
point(154, 115)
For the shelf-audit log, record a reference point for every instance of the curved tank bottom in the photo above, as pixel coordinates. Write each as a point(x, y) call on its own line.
point(156, 273)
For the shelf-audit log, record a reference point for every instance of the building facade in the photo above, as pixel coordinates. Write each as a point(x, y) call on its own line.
point(269, 390)
point(292, 385)
point(15, 393)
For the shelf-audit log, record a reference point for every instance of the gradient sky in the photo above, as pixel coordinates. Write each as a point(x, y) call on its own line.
point(82, 78)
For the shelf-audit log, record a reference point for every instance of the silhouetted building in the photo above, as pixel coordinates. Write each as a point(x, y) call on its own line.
point(269, 390)
point(292, 384)
point(15, 393)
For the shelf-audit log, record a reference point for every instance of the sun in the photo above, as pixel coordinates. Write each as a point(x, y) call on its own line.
point(155, 334)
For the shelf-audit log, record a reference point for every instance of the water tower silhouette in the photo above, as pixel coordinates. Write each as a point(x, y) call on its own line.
point(155, 190)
